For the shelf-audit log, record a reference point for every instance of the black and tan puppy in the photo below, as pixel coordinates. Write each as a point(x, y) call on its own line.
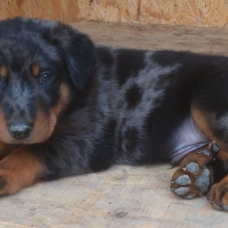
point(68, 107)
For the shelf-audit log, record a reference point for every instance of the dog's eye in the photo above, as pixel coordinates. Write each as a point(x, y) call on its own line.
point(45, 77)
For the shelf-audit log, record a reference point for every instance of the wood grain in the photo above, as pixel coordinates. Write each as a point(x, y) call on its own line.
point(64, 10)
point(172, 12)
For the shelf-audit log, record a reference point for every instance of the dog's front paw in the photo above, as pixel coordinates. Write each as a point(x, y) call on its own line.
point(7, 184)
point(4, 188)
point(19, 170)
point(218, 195)
point(10, 181)
point(194, 177)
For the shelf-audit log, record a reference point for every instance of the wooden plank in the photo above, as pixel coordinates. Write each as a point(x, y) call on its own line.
point(171, 12)
point(64, 10)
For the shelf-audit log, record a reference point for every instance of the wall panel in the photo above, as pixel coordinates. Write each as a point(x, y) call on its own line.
point(212, 13)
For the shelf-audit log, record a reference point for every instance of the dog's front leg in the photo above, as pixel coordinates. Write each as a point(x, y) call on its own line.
point(19, 169)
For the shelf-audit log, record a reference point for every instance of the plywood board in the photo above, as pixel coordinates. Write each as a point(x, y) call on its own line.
point(64, 10)
point(172, 12)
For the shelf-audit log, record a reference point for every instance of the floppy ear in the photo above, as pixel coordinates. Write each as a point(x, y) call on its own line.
point(77, 50)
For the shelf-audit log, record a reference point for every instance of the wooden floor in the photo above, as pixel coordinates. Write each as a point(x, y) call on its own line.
point(122, 197)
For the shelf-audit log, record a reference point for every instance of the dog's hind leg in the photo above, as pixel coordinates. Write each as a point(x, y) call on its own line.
point(195, 175)
point(218, 194)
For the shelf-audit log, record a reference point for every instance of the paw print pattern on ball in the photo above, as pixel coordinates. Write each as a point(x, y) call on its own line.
point(193, 178)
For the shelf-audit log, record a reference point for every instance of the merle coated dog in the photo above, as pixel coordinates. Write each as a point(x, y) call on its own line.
point(69, 107)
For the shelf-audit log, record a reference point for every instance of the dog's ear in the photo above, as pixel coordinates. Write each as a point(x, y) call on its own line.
point(76, 48)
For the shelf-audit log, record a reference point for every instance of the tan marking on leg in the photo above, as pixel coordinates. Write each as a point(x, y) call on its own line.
point(201, 120)
point(192, 166)
point(19, 170)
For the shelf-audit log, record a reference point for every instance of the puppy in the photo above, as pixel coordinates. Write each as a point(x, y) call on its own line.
point(68, 107)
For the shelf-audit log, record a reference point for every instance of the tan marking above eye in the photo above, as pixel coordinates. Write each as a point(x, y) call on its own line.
point(3, 71)
point(35, 70)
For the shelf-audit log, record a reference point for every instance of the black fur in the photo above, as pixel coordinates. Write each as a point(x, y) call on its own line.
point(129, 64)
point(133, 96)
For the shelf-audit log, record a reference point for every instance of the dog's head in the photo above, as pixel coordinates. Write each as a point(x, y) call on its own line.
point(40, 64)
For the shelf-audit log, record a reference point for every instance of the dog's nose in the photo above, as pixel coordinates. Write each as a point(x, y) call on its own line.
point(20, 129)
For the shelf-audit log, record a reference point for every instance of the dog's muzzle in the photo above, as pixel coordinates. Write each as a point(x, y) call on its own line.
point(20, 129)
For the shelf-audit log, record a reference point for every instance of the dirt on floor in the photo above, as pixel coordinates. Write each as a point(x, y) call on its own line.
point(123, 196)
